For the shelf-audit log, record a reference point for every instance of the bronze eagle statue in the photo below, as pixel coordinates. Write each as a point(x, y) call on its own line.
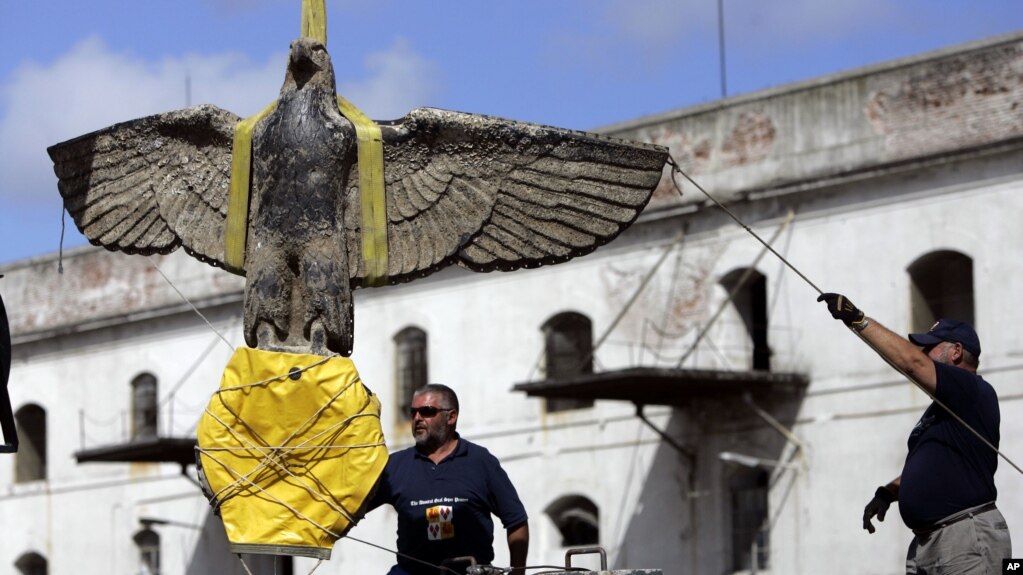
point(481, 192)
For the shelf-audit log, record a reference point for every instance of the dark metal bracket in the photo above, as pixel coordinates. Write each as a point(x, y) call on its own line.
point(7, 426)
point(689, 453)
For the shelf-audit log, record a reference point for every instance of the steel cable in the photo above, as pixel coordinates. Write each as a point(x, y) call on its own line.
point(675, 168)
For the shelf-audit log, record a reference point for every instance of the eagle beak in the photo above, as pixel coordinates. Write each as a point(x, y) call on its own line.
point(300, 54)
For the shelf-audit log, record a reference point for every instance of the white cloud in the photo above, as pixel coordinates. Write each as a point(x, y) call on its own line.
point(658, 24)
point(400, 79)
point(647, 32)
point(92, 87)
point(624, 38)
point(786, 24)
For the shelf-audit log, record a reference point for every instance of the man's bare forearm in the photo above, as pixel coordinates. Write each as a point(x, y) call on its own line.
point(901, 353)
point(518, 547)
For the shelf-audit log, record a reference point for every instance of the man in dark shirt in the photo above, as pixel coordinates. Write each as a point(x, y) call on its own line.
point(946, 491)
point(444, 489)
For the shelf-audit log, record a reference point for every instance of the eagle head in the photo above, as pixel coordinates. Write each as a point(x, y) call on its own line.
point(308, 63)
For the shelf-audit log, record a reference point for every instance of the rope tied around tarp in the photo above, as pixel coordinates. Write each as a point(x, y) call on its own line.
point(275, 456)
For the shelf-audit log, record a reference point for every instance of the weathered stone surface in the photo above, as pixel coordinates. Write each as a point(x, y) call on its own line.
point(481, 192)
point(926, 108)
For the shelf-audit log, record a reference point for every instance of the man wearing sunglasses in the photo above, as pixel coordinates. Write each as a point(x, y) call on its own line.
point(445, 489)
point(946, 491)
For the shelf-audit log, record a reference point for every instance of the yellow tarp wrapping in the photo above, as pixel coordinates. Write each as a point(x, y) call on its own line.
point(290, 460)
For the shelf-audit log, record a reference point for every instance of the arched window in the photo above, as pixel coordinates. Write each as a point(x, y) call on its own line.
point(148, 543)
point(750, 528)
point(750, 303)
point(941, 286)
point(577, 519)
point(143, 406)
point(410, 365)
point(568, 349)
point(31, 563)
point(30, 462)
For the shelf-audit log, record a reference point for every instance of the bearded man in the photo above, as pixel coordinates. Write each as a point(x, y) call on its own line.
point(445, 489)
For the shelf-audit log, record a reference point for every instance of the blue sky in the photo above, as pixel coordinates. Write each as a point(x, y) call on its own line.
point(70, 67)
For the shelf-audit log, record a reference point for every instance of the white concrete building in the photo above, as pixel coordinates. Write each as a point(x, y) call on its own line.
point(900, 185)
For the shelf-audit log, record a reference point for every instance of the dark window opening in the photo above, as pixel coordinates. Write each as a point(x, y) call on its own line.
point(750, 301)
point(568, 349)
point(30, 461)
point(749, 514)
point(143, 406)
point(941, 286)
point(411, 366)
point(284, 565)
point(31, 563)
point(577, 519)
point(148, 543)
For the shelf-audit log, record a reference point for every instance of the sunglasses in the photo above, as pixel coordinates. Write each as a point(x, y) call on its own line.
point(426, 412)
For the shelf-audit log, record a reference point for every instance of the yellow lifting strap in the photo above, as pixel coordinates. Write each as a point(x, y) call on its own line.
point(237, 226)
point(371, 174)
point(371, 192)
point(314, 20)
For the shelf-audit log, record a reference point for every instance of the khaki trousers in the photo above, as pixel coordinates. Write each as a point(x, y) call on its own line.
point(969, 543)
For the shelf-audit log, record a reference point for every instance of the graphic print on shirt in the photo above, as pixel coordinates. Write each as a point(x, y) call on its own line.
point(926, 420)
point(439, 522)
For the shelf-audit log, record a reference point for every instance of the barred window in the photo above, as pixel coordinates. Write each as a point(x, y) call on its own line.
point(749, 513)
point(410, 365)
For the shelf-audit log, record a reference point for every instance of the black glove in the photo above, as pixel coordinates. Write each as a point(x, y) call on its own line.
point(878, 506)
point(841, 308)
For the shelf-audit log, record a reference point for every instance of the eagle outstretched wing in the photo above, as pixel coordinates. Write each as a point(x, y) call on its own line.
point(483, 192)
point(493, 194)
point(152, 184)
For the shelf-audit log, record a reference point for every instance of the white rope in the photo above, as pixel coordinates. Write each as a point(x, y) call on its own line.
point(268, 460)
point(195, 309)
point(635, 296)
point(298, 447)
point(274, 378)
point(278, 500)
point(937, 401)
point(188, 372)
point(271, 455)
point(405, 555)
point(247, 570)
point(735, 290)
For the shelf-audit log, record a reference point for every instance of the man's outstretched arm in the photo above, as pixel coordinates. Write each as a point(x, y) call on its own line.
point(895, 349)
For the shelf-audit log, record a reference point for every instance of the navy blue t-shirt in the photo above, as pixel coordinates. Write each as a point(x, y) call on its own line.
point(948, 469)
point(444, 509)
